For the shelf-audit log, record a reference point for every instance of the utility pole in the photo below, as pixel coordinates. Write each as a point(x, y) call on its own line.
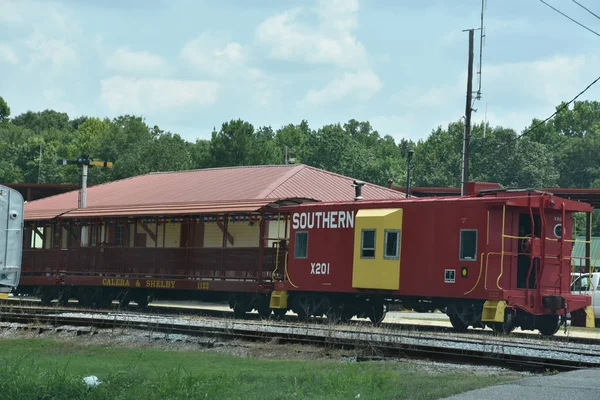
point(84, 161)
point(468, 109)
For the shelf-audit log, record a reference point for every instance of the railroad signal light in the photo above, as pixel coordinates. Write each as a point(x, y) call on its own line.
point(86, 160)
point(105, 164)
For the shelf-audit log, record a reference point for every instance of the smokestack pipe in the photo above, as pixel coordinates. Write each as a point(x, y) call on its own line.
point(358, 190)
point(390, 183)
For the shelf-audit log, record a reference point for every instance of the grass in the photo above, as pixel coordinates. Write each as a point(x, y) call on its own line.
point(53, 369)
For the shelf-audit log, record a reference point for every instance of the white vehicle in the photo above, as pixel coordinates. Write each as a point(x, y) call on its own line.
point(586, 283)
point(11, 239)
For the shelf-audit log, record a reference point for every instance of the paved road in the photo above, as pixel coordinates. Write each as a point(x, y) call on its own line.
point(573, 385)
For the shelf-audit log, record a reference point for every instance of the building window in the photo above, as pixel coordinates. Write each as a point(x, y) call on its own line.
point(301, 250)
point(119, 235)
point(367, 248)
point(468, 245)
point(392, 244)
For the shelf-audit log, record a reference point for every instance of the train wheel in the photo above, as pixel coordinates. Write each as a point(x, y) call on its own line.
point(302, 315)
point(505, 327)
point(347, 314)
point(502, 328)
point(334, 314)
point(64, 296)
point(457, 323)
point(264, 311)
point(142, 301)
point(376, 313)
point(47, 296)
point(548, 325)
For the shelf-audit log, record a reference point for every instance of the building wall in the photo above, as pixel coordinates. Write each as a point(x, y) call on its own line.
point(243, 234)
point(213, 237)
point(172, 234)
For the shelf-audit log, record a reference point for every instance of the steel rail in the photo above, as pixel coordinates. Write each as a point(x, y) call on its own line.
point(382, 343)
point(199, 311)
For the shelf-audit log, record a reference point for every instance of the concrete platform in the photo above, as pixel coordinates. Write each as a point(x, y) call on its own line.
point(573, 385)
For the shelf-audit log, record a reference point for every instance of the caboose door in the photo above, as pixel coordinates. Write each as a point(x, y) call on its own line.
point(377, 244)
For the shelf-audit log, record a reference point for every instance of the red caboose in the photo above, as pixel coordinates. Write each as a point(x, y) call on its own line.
point(497, 258)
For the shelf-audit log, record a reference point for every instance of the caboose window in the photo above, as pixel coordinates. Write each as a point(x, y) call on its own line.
point(367, 249)
point(392, 243)
point(301, 250)
point(468, 245)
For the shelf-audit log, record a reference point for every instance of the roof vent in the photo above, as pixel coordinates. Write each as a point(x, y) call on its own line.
point(358, 190)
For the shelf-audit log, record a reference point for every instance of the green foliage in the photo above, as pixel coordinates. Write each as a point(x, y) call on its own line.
point(4, 111)
point(237, 143)
point(47, 369)
point(564, 151)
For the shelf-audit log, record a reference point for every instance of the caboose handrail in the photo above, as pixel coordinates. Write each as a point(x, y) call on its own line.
point(502, 251)
point(479, 276)
point(286, 270)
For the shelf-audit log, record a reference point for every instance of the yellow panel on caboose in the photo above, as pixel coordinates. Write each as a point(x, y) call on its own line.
point(377, 243)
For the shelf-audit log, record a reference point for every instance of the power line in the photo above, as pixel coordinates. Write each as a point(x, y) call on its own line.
point(586, 9)
point(565, 15)
point(553, 114)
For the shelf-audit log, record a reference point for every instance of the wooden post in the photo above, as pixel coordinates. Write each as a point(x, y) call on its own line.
point(261, 247)
point(224, 243)
point(155, 244)
point(59, 247)
point(588, 252)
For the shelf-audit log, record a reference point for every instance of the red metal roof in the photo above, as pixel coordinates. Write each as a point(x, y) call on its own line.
point(586, 195)
point(514, 198)
point(171, 209)
point(161, 191)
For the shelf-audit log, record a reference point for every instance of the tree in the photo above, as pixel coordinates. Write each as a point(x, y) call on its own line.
point(4, 111)
point(437, 160)
point(200, 154)
point(41, 121)
point(237, 143)
point(294, 137)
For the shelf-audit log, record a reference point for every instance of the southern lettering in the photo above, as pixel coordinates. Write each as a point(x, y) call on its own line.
point(323, 219)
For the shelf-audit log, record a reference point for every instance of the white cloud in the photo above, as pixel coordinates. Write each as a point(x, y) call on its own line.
point(397, 126)
point(141, 62)
point(55, 52)
point(330, 41)
point(128, 95)
point(7, 54)
point(211, 54)
point(360, 85)
point(228, 61)
point(431, 97)
point(548, 81)
point(515, 93)
point(46, 31)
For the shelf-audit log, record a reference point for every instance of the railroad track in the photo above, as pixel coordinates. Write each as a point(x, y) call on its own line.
point(382, 342)
point(203, 312)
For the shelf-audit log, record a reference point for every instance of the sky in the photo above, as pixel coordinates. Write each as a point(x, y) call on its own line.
point(188, 66)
